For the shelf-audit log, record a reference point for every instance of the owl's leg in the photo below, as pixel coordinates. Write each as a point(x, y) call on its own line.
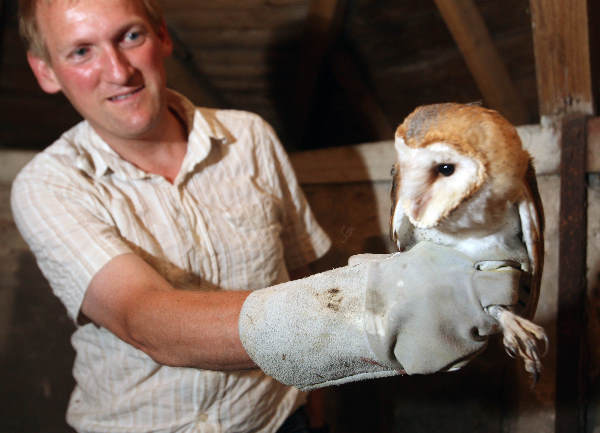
point(522, 338)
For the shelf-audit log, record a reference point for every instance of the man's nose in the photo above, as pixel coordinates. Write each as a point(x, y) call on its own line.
point(117, 67)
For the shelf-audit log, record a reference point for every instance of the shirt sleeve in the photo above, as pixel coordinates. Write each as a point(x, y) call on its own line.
point(65, 229)
point(303, 238)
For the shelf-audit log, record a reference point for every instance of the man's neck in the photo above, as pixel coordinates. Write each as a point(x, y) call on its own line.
point(162, 156)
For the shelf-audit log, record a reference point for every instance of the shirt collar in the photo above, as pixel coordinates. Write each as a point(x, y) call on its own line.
point(102, 159)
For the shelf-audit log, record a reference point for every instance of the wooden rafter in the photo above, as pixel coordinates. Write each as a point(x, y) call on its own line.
point(370, 162)
point(487, 68)
point(562, 57)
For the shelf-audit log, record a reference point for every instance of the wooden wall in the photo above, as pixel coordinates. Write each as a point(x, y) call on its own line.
point(374, 62)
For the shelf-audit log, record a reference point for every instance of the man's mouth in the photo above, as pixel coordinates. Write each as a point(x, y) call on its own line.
point(123, 96)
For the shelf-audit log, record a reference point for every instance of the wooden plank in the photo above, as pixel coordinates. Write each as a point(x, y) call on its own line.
point(358, 163)
point(371, 162)
point(571, 327)
point(562, 57)
point(473, 39)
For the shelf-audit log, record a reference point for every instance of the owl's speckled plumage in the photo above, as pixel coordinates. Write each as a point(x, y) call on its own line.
point(463, 179)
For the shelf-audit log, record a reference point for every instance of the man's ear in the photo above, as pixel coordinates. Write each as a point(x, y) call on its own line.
point(44, 74)
point(165, 40)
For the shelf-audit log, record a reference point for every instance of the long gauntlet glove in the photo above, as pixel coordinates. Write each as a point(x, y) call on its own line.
point(417, 312)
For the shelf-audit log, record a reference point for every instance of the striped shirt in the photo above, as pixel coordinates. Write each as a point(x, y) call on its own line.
point(234, 218)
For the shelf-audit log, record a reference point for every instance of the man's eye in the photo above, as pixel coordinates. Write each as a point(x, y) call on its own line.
point(80, 52)
point(133, 37)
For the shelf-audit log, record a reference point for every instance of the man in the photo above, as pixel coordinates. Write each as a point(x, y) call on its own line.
point(154, 220)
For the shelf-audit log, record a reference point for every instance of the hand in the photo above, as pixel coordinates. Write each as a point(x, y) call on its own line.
point(425, 307)
point(416, 312)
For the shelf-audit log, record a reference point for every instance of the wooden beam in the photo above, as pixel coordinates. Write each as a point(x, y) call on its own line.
point(563, 72)
point(473, 39)
point(562, 57)
point(371, 162)
point(571, 326)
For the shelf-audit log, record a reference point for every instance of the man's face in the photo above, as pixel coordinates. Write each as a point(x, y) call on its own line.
point(107, 59)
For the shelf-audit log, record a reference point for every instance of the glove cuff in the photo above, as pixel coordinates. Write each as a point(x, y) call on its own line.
point(309, 333)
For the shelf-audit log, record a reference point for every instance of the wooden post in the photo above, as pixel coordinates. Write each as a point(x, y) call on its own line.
point(563, 71)
point(571, 323)
point(562, 56)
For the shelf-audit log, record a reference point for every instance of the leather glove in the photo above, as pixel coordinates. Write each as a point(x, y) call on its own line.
point(416, 312)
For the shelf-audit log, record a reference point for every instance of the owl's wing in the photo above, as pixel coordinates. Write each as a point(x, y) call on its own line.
point(532, 226)
point(401, 229)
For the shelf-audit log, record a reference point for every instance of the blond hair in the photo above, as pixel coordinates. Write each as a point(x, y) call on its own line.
point(34, 40)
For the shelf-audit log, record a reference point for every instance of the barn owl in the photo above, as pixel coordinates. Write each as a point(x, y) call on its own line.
point(462, 179)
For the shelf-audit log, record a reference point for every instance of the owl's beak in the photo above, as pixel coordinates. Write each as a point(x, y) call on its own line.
point(418, 213)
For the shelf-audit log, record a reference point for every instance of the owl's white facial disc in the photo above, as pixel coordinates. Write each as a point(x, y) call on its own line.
point(434, 180)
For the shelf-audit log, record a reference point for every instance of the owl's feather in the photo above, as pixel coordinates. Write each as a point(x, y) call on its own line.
point(532, 224)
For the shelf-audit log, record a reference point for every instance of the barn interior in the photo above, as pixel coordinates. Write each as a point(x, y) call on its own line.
point(335, 78)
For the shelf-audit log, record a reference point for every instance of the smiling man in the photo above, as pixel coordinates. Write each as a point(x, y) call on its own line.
point(147, 195)
point(169, 233)
point(107, 59)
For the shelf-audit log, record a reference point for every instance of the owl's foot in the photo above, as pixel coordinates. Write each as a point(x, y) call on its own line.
point(522, 338)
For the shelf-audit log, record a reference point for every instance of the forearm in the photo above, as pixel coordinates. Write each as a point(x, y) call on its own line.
point(175, 327)
point(190, 329)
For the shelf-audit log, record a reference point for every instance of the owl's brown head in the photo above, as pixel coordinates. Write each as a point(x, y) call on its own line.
point(449, 152)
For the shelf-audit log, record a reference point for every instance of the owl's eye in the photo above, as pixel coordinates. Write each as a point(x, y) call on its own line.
point(445, 169)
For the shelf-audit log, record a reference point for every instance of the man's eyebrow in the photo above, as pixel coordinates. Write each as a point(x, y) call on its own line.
point(133, 23)
point(116, 33)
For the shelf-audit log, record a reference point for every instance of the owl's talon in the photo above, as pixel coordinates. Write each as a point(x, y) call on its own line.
point(522, 338)
point(546, 344)
point(534, 370)
point(510, 351)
